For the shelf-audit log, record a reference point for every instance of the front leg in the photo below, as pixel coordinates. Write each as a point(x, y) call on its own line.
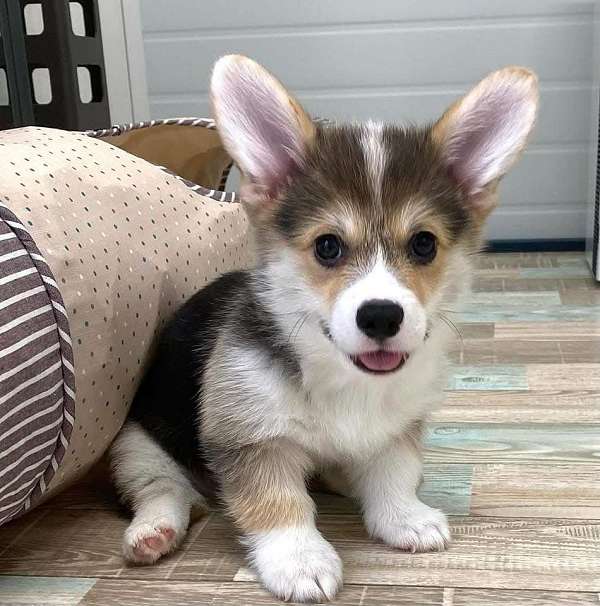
point(265, 493)
point(386, 486)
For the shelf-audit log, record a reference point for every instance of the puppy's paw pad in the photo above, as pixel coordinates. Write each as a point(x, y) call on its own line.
point(145, 543)
point(420, 529)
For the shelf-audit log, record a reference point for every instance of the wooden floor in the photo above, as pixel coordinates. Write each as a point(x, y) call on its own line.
point(514, 457)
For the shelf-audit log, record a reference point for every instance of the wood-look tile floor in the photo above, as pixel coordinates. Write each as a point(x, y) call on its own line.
point(513, 457)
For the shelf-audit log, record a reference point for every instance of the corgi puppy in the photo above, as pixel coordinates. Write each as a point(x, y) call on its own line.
point(326, 357)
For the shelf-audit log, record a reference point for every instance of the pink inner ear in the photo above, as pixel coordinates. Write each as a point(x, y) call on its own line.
point(260, 127)
point(486, 135)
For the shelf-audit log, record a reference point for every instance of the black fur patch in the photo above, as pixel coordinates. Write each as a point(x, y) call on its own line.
point(168, 399)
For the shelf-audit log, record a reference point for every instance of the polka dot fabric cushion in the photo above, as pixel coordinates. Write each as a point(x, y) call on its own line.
point(117, 244)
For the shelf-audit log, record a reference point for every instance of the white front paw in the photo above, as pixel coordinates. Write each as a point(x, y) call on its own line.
point(296, 564)
point(415, 528)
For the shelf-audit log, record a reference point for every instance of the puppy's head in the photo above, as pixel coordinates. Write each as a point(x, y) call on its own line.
point(368, 229)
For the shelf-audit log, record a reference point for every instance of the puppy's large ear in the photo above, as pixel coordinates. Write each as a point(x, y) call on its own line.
point(482, 134)
point(263, 127)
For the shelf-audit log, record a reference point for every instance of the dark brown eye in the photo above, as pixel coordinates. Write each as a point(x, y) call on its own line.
point(423, 247)
point(328, 249)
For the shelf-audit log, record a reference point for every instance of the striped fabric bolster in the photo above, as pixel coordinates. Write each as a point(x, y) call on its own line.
point(119, 129)
point(37, 384)
point(214, 194)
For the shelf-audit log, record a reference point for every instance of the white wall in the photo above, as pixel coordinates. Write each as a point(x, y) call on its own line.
point(400, 61)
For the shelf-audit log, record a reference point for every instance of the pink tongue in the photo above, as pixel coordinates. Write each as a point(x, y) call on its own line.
point(381, 360)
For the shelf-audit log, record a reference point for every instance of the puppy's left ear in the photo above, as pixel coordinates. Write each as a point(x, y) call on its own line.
point(481, 135)
point(264, 129)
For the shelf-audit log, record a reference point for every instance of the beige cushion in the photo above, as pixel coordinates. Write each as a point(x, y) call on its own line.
point(127, 243)
point(189, 147)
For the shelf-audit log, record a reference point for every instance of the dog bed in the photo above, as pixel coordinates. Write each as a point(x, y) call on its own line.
point(97, 247)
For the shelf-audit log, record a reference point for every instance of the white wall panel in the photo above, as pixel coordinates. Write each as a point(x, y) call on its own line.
point(400, 61)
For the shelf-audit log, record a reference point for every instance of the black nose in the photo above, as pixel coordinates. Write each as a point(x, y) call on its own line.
point(379, 319)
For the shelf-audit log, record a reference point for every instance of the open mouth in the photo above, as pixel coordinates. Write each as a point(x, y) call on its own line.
point(380, 362)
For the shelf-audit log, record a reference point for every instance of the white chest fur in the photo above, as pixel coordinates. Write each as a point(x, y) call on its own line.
point(338, 413)
point(351, 415)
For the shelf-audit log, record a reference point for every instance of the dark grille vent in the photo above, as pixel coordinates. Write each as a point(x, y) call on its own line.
point(55, 75)
point(596, 235)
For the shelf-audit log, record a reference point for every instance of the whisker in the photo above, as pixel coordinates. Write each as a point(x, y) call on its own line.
point(450, 311)
point(451, 325)
point(298, 327)
point(289, 337)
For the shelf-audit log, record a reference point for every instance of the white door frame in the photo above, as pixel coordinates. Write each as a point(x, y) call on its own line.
point(124, 60)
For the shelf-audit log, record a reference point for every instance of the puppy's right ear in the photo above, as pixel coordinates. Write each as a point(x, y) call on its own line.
point(482, 134)
point(263, 127)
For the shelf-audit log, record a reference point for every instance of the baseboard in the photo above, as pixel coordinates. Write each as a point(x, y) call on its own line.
point(565, 245)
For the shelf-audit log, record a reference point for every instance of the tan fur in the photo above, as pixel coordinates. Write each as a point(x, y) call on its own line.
point(307, 126)
point(411, 217)
point(330, 284)
point(423, 280)
point(265, 487)
point(485, 203)
point(416, 214)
